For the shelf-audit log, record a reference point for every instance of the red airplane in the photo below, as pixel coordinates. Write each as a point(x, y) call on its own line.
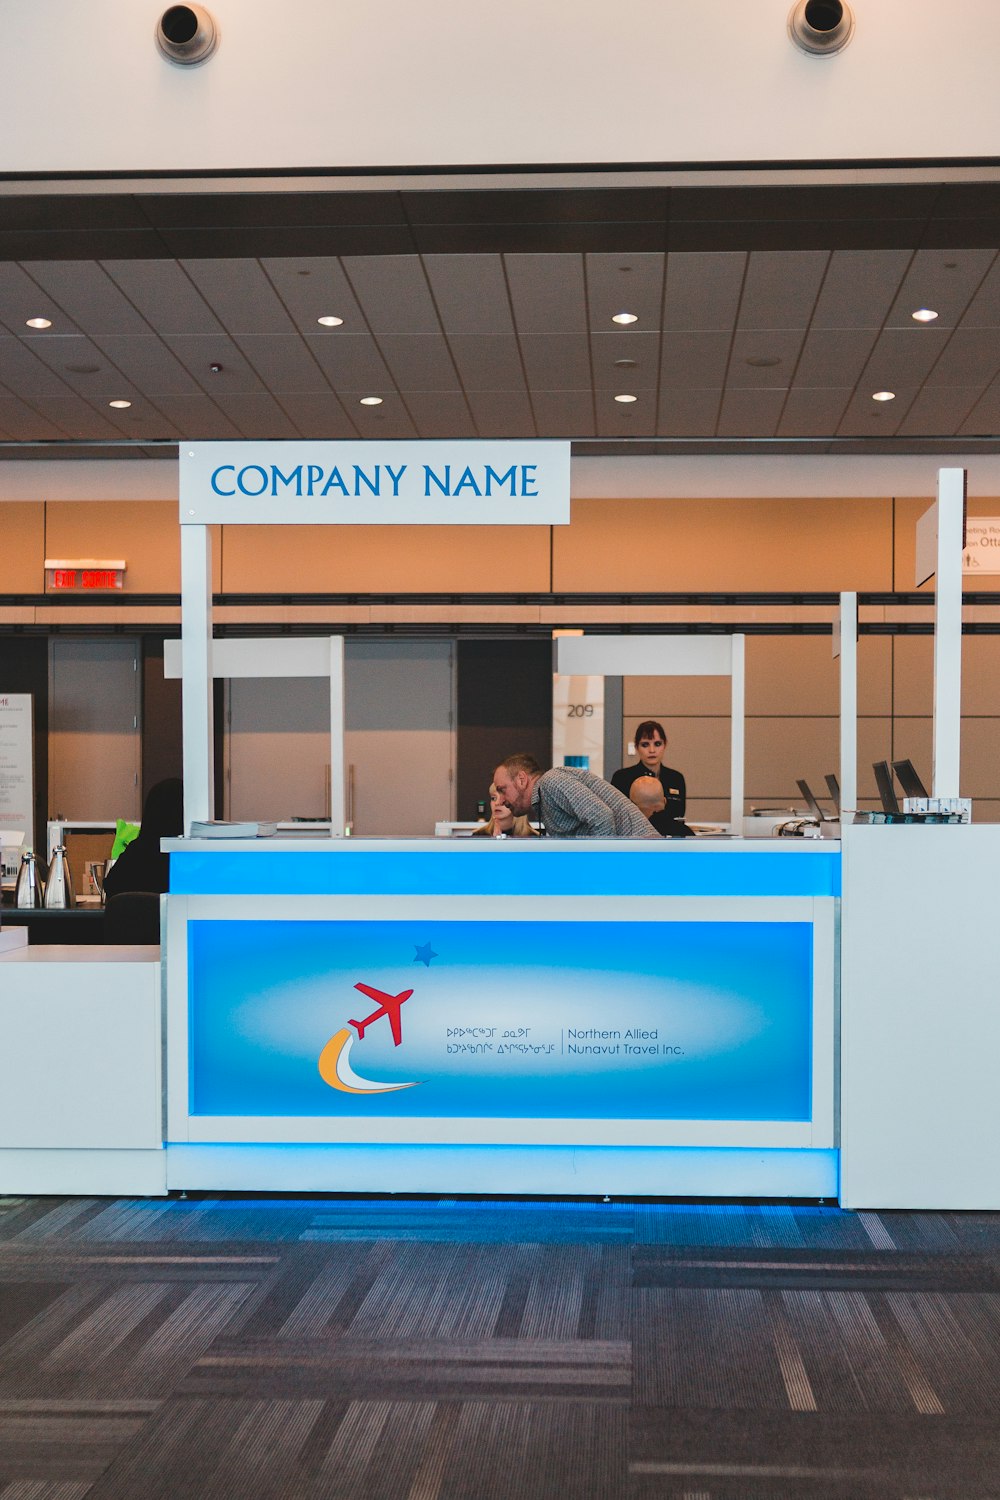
point(389, 1005)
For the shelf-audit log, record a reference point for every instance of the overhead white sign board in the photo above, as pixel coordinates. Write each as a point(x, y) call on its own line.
point(17, 795)
point(375, 484)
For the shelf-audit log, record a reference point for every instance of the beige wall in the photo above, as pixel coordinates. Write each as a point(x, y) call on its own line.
point(612, 546)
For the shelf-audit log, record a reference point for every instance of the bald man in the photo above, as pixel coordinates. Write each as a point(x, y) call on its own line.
point(648, 795)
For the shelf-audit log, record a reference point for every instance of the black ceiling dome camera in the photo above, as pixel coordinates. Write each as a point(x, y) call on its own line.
point(821, 27)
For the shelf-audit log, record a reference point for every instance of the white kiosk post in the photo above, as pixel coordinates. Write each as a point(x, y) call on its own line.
point(845, 645)
point(669, 656)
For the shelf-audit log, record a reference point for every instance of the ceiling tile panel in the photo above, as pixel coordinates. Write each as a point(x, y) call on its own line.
point(502, 414)
point(813, 412)
point(834, 356)
point(147, 363)
point(257, 416)
point(642, 349)
point(81, 365)
point(625, 283)
point(637, 419)
point(864, 417)
point(85, 290)
point(393, 293)
point(972, 356)
point(940, 410)
point(946, 280)
point(547, 292)
point(390, 420)
point(351, 362)
point(22, 424)
point(984, 309)
point(859, 288)
point(755, 412)
point(471, 293)
point(488, 363)
point(319, 416)
point(22, 372)
point(143, 418)
point(314, 287)
point(21, 298)
point(564, 413)
point(167, 299)
point(440, 414)
point(781, 344)
point(76, 417)
point(420, 362)
point(197, 419)
point(902, 356)
point(197, 355)
point(284, 363)
point(703, 290)
point(688, 413)
point(694, 359)
point(557, 361)
point(781, 288)
point(985, 415)
point(240, 295)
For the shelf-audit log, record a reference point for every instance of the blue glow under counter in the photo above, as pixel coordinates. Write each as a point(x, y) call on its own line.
point(458, 867)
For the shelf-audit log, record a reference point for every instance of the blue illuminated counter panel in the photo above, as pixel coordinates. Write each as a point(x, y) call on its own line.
point(481, 1016)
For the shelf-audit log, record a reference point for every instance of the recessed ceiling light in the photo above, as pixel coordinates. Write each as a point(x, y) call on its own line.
point(371, 401)
point(39, 323)
point(120, 405)
point(329, 321)
point(763, 361)
point(924, 315)
point(625, 318)
point(883, 395)
point(626, 364)
point(83, 369)
point(625, 399)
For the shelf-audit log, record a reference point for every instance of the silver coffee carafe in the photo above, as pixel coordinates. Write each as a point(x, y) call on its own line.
point(59, 881)
point(28, 890)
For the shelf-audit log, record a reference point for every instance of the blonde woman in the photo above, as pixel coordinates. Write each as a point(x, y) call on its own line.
point(503, 824)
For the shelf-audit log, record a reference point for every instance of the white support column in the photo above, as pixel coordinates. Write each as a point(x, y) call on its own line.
point(845, 644)
point(338, 782)
point(737, 754)
point(948, 632)
point(196, 678)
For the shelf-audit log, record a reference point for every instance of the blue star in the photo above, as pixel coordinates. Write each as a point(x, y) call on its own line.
point(423, 953)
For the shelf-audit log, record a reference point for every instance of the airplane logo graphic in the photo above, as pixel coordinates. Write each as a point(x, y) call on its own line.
point(388, 1005)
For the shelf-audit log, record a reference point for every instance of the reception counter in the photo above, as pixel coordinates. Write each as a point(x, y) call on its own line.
point(477, 1016)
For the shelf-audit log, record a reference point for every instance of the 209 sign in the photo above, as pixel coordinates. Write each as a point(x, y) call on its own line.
point(580, 711)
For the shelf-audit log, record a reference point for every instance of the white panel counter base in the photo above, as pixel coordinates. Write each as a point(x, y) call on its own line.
point(80, 1037)
point(587, 1171)
point(90, 1173)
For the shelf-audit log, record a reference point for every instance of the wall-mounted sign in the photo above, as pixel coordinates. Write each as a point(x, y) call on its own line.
point(981, 553)
point(375, 484)
point(17, 794)
point(83, 575)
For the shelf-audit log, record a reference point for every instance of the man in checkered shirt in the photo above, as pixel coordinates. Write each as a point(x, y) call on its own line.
point(571, 804)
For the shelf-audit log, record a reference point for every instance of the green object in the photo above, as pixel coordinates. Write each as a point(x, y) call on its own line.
point(124, 834)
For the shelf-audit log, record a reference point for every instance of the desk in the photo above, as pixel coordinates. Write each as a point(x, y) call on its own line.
point(576, 1016)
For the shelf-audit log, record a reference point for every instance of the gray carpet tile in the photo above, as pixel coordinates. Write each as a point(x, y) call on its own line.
point(299, 1349)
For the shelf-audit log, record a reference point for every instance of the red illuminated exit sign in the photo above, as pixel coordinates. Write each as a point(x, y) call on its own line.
point(83, 575)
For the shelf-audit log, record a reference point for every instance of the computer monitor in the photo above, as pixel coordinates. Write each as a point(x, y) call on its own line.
point(833, 787)
point(908, 779)
point(883, 780)
point(811, 802)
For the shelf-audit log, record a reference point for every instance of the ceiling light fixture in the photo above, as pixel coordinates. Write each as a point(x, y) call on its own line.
point(626, 364)
point(883, 395)
point(328, 320)
point(39, 323)
point(120, 405)
point(763, 361)
point(624, 399)
point(371, 401)
point(625, 318)
point(924, 315)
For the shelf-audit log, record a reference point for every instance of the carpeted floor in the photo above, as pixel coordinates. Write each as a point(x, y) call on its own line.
point(313, 1348)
